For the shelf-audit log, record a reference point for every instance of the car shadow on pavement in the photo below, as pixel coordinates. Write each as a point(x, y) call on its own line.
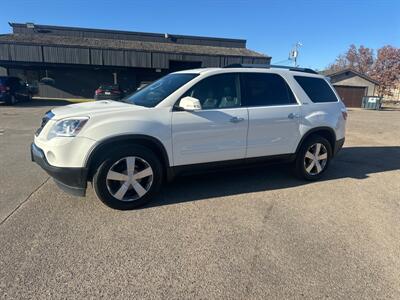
point(351, 162)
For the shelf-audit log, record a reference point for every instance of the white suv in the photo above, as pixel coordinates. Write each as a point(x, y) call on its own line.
point(215, 117)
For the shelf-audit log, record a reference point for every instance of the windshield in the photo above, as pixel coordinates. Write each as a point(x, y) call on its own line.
point(156, 92)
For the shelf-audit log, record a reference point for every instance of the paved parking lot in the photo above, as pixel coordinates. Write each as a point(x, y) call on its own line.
point(248, 234)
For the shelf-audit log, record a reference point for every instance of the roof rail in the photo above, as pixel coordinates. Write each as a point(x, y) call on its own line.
point(266, 66)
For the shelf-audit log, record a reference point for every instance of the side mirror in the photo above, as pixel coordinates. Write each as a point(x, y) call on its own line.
point(190, 104)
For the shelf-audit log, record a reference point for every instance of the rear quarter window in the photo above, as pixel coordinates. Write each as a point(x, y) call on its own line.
point(317, 89)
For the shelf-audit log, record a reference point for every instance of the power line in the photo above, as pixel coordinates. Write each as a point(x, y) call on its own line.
point(281, 62)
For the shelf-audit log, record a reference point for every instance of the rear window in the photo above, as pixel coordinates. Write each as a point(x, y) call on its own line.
point(109, 87)
point(317, 89)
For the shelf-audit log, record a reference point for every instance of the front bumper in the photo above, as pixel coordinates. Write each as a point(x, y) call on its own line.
point(71, 180)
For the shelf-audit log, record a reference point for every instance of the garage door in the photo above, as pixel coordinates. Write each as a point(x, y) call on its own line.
point(351, 95)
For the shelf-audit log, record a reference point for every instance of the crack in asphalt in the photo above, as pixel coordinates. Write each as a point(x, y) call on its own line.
point(257, 244)
point(24, 201)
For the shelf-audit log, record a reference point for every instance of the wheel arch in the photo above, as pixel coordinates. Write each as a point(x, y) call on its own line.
point(97, 154)
point(325, 132)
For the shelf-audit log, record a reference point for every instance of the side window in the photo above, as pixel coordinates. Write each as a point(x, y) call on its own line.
point(218, 91)
point(265, 89)
point(317, 89)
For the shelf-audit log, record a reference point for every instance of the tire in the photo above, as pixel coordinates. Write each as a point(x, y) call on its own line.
point(114, 178)
point(310, 166)
point(11, 100)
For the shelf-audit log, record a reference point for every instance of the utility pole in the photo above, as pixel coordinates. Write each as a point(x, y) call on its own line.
point(294, 53)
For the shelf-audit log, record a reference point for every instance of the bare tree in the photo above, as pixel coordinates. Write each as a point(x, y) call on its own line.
point(359, 59)
point(386, 69)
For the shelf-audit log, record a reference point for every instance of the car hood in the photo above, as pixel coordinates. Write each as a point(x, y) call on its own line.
point(92, 108)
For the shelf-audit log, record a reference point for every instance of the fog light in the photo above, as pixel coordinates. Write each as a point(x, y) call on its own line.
point(50, 157)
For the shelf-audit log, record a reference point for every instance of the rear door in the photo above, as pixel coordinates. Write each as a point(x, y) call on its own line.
point(218, 131)
point(274, 114)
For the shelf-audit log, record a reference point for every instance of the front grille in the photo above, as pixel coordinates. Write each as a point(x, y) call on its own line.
point(45, 119)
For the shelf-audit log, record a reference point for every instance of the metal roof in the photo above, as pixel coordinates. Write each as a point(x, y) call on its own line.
point(349, 70)
point(32, 28)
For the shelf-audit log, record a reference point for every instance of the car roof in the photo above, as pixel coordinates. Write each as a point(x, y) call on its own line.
point(255, 69)
point(197, 71)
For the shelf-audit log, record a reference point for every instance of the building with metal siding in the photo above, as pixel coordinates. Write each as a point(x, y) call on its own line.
point(80, 59)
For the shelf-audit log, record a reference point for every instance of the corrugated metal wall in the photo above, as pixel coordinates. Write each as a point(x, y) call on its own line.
point(5, 52)
point(109, 57)
point(22, 52)
point(66, 55)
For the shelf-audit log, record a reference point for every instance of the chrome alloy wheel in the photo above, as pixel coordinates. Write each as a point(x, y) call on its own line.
point(129, 179)
point(315, 159)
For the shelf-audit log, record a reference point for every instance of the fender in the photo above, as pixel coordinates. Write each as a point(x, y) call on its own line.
point(153, 143)
point(331, 138)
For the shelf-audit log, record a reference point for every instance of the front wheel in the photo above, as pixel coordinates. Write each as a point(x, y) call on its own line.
point(128, 177)
point(313, 158)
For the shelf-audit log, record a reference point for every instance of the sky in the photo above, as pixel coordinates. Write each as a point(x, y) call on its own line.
point(325, 28)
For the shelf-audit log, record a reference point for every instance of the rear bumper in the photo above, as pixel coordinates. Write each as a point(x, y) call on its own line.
point(338, 145)
point(107, 97)
point(71, 180)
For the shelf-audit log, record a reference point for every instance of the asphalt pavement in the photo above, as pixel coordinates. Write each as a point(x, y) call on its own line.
point(255, 233)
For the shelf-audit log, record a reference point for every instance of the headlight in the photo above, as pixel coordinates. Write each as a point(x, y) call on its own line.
point(68, 127)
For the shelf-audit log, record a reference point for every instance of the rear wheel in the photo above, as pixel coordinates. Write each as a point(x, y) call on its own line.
point(128, 178)
point(313, 158)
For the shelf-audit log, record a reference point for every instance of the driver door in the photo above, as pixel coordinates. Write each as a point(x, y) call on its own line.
point(218, 131)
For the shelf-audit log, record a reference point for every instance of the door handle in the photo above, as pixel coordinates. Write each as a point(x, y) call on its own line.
point(236, 120)
point(293, 116)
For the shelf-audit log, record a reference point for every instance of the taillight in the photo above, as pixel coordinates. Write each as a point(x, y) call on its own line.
point(344, 114)
point(98, 91)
